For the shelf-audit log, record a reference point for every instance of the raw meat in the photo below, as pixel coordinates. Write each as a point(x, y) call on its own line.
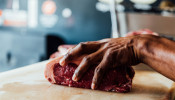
point(116, 80)
point(62, 50)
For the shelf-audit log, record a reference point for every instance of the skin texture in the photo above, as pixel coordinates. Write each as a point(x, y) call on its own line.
point(155, 51)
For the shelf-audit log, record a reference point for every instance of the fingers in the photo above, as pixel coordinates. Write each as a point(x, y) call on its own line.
point(87, 62)
point(98, 75)
point(102, 67)
point(79, 51)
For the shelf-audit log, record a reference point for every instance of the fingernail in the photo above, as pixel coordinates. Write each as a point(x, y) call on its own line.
point(62, 62)
point(93, 86)
point(74, 77)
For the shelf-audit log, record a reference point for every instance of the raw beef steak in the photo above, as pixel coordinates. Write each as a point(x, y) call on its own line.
point(116, 80)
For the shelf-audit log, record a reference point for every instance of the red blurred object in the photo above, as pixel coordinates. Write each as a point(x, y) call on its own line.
point(62, 50)
point(0, 12)
point(143, 31)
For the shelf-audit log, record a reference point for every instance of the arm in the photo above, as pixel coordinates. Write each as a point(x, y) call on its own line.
point(152, 50)
point(158, 53)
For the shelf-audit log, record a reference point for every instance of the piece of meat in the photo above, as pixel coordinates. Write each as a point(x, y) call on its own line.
point(55, 54)
point(116, 80)
point(142, 31)
point(62, 50)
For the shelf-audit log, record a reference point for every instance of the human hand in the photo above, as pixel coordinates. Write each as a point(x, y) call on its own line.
point(106, 53)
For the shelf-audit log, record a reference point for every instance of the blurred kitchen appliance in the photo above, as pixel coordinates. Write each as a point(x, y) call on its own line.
point(157, 15)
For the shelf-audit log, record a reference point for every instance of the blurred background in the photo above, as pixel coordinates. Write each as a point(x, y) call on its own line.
point(31, 30)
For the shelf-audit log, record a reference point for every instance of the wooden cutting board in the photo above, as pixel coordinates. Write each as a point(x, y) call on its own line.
point(28, 83)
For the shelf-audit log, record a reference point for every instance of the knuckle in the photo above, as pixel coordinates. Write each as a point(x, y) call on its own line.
point(98, 70)
point(109, 44)
point(98, 73)
point(80, 70)
point(87, 58)
point(68, 56)
point(109, 51)
point(106, 45)
point(81, 44)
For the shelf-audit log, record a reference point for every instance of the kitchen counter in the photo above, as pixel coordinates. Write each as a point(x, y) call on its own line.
point(28, 83)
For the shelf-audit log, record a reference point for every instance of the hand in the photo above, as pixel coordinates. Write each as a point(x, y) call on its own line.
point(107, 53)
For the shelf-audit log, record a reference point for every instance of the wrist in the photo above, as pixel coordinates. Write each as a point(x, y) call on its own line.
point(142, 45)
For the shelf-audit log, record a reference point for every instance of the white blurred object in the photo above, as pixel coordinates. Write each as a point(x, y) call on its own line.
point(142, 6)
point(53, 19)
point(32, 13)
point(114, 21)
point(102, 7)
point(15, 5)
point(66, 13)
point(108, 1)
point(1, 21)
point(167, 13)
point(143, 1)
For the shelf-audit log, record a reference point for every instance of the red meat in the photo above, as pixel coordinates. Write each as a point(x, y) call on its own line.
point(62, 50)
point(116, 80)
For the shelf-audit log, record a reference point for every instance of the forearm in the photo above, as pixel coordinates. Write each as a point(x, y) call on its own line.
point(158, 53)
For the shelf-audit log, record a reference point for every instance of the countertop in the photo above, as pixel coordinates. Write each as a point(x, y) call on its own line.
point(29, 83)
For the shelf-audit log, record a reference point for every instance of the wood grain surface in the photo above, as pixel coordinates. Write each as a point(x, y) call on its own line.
point(28, 83)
